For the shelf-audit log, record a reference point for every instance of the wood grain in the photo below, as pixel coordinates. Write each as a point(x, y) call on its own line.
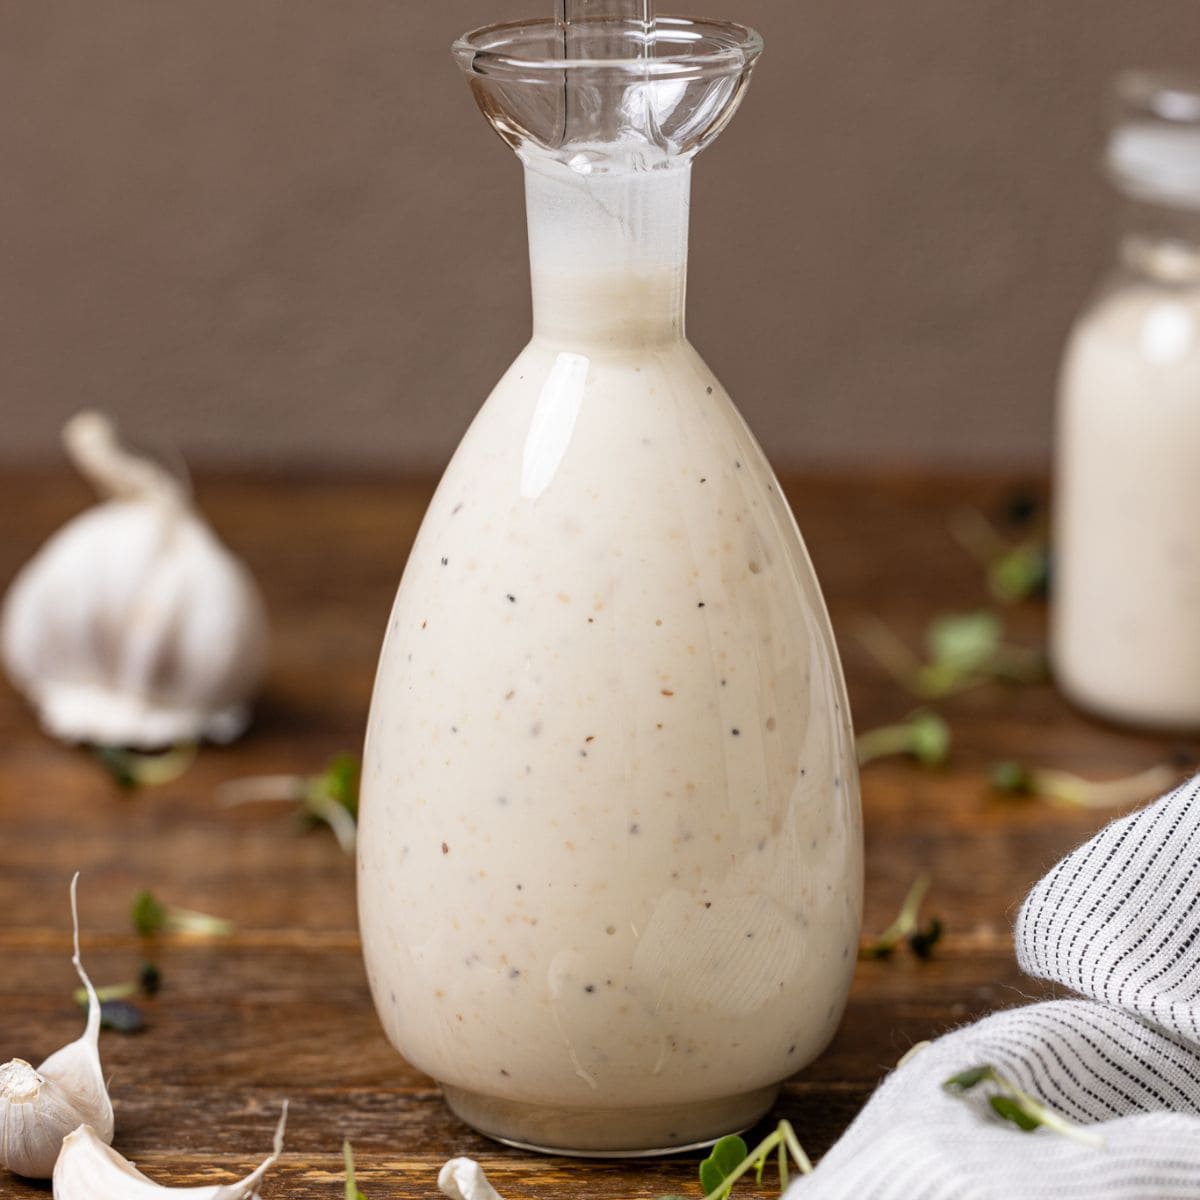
point(281, 1009)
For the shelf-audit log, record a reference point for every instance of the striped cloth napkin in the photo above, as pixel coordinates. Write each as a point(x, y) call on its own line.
point(1118, 922)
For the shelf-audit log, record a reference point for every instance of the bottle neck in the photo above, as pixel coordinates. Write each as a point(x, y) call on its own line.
point(1160, 242)
point(608, 256)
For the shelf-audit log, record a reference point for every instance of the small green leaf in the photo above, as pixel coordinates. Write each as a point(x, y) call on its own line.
point(149, 916)
point(929, 738)
point(725, 1157)
point(1011, 777)
point(965, 1080)
point(923, 940)
point(340, 782)
point(963, 642)
point(149, 979)
point(1012, 1111)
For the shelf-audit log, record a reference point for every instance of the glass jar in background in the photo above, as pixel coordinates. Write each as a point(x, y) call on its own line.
point(1125, 627)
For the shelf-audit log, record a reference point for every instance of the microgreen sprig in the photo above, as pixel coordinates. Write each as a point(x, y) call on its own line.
point(730, 1159)
point(329, 797)
point(924, 736)
point(1071, 790)
point(964, 650)
point(352, 1192)
point(150, 916)
point(1015, 570)
point(132, 769)
point(907, 926)
point(1018, 1106)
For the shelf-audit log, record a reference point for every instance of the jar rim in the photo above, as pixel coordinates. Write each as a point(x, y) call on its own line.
point(1153, 150)
point(706, 47)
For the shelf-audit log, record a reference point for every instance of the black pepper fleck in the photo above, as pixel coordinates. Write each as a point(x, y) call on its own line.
point(708, 391)
point(511, 598)
point(635, 828)
point(515, 973)
point(505, 1073)
point(589, 988)
point(445, 562)
point(708, 904)
point(456, 509)
point(700, 604)
point(736, 732)
point(792, 1048)
point(445, 848)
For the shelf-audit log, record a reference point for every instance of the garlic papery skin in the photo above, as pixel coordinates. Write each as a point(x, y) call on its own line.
point(87, 1169)
point(463, 1179)
point(133, 625)
point(39, 1108)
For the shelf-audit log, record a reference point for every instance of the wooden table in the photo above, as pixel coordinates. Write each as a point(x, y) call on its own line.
point(281, 1009)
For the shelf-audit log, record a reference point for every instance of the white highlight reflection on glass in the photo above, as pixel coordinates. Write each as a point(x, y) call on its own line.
point(553, 423)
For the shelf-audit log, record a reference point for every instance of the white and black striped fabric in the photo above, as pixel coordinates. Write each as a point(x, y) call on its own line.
point(1117, 921)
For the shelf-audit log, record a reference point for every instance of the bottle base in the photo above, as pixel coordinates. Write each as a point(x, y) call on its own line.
point(613, 1132)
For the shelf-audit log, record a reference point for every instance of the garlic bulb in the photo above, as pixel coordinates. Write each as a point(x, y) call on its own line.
point(87, 1169)
point(38, 1108)
point(463, 1179)
point(133, 625)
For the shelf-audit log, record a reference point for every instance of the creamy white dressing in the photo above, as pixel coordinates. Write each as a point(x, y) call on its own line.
point(1126, 619)
point(610, 843)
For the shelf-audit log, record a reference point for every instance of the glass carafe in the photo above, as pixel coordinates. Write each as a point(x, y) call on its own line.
point(1126, 596)
point(610, 853)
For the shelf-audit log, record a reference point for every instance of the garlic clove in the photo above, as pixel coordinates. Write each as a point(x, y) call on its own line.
point(134, 625)
point(38, 1108)
point(463, 1179)
point(87, 1169)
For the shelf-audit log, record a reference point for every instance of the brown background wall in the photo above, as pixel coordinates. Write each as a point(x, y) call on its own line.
point(277, 231)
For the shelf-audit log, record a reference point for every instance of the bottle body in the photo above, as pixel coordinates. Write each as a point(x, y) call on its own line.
point(610, 863)
point(610, 844)
point(1125, 615)
point(1126, 608)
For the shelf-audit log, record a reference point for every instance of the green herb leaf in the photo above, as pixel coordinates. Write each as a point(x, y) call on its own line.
point(339, 781)
point(965, 1080)
point(1012, 1111)
point(1020, 573)
point(149, 979)
point(149, 916)
point(922, 942)
point(723, 1160)
point(963, 643)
